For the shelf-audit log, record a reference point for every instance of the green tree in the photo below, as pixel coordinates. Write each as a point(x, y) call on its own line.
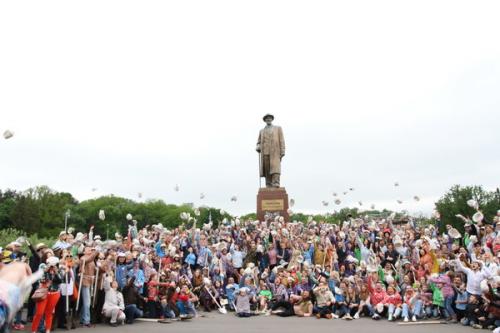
point(455, 202)
point(7, 204)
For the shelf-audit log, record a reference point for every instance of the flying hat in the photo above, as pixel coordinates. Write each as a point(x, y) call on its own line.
point(267, 115)
point(473, 203)
point(453, 233)
point(9, 134)
point(477, 217)
point(79, 237)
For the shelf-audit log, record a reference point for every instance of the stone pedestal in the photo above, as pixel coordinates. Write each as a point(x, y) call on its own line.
point(272, 201)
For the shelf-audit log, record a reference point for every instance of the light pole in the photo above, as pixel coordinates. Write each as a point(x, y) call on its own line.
point(67, 215)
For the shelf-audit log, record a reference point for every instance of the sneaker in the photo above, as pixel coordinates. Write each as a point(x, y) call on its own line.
point(414, 318)
point(390, 317)
point(347, 317)
point(18, 327)
point(356, 315)
point(328, 316)
point(406, 320)
point(113, 324)
point(375, 317)
point(477, 326)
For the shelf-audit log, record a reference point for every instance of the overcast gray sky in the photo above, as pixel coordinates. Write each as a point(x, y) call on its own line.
point(129, 97)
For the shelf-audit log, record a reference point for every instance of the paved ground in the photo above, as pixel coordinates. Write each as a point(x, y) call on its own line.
point(217, 323)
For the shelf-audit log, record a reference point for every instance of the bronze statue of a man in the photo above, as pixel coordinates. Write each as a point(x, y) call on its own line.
point(271, 148)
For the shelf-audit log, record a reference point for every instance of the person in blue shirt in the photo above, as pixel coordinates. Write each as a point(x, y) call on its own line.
point(160, 249)
point(340, 306)
point(204, 256)
point(231, 292)
point(122, 269)
point(138, 274)
point(309, 253)
point(190, 258)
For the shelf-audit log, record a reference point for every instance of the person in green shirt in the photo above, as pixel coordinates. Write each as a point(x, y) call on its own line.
point(437, 298)
point(264, 296)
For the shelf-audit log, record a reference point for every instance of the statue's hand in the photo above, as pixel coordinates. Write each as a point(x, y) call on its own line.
point(258, 148)
point(282, 155)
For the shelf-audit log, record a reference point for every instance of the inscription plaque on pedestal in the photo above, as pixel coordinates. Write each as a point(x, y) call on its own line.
point(272, 201)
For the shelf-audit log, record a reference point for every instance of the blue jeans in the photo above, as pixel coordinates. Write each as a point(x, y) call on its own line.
point(415, 311)
point(186, 308)
point(448, 302)
point(17, 318)
point(167, 311)
point(432, 310)
point(393, 310)
point(367, 309)
point(132, 312)
point(85, 314)
point(341, 310)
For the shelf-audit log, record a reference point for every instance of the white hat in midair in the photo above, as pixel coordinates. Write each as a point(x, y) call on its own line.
point(8, 134)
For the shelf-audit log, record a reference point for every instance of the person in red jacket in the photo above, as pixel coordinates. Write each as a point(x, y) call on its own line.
point(153, 299)
point(185, 302)
point(392, 302)
point(377, 296)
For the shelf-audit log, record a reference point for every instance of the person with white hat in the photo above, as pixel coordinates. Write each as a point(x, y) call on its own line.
point(87, 267)
point(50, 282)
point(243, 300)
point(324, 300)
point(61, 242)
point(114, 304)
point(122, 269)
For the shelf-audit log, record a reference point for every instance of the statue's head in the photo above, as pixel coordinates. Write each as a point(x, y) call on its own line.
point(268, 119)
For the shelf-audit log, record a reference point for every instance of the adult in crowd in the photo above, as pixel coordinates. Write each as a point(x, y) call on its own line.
point(376, 267)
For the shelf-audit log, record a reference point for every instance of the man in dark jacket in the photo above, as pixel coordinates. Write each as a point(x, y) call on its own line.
point(34, 262)
point(132, 300)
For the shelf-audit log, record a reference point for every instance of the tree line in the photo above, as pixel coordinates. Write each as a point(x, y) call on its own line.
point(41, 210)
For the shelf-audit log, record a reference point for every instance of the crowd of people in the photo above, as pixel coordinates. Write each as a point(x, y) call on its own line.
point(370, 267)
